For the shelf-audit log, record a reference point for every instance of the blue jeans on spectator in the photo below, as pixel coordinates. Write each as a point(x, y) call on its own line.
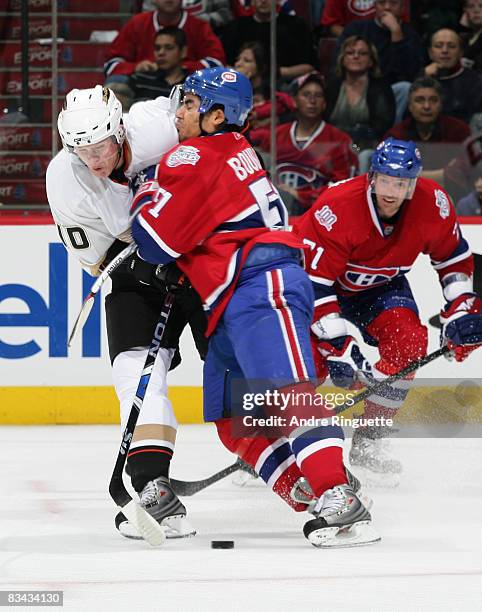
point(400, 91)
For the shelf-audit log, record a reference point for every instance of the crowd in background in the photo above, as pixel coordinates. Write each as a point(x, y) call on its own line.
point(349, 73)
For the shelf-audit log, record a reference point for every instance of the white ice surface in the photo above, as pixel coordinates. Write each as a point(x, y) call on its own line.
point(57, 532)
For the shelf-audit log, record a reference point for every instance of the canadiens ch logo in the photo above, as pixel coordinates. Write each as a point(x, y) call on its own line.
point(360, 7)
point(229, 77)
point(183, 155)
point(358, 277)
point(297, 175)
point(326, 217)
point(442, 202)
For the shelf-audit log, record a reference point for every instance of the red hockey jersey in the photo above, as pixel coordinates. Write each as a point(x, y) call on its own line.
point(343, 12)
point(207, 203)
point(325, 158)
point(135, 42)
point(352, 250)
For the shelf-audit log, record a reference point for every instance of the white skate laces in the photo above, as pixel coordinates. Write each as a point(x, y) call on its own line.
point(149, 494)
point(331, 502)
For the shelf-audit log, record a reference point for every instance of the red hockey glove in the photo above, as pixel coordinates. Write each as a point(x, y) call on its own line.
point(462, 325)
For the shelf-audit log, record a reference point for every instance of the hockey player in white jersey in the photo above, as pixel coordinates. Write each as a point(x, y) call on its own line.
point(89, 195)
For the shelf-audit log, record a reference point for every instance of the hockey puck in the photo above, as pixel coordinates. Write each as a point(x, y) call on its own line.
point(222, 544)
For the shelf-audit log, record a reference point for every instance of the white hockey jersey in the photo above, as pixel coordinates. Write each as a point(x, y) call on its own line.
point(91, 212)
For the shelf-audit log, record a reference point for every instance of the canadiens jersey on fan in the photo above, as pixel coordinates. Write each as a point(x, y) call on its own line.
point(207, 204)
point(91, 212)
point(326, 157)
point(352, 250)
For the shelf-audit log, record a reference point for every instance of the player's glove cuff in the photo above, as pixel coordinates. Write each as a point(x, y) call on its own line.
point(467, 303)
point(144, 272)
point(330, 326)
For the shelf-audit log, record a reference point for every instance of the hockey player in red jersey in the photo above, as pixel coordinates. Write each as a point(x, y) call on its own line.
point(210, 206)
point(364, 235)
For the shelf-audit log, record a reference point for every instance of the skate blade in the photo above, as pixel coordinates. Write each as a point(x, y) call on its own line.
point(147, 527)
point(175, 527)
point(377, 480)
point(359, 534)
point(178, 526)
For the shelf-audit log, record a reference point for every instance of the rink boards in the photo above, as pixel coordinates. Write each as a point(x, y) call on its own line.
point(42, 381)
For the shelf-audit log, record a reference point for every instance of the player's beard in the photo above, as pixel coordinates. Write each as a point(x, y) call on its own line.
point(387, 209)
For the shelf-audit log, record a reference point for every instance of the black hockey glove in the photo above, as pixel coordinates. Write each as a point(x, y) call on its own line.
point(155, 275)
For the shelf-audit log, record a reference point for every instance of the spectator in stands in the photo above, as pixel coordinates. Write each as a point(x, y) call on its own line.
point(339, 13)
point(170, 49)
point(311, 153)
point(462, 87)
point(133, 51)
point(472, 34)
point(399, 47)
point(252, 62)
point(245, 8)
point(359, 101)
point(428, 16)
point(294, 39)
point(216, 12)
point(471, 204)
point(438, 136)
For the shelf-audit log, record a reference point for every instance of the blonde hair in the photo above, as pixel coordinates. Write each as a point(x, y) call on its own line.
point(374, 69)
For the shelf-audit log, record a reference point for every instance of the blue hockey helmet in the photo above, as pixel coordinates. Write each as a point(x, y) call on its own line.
point(222, 86)
point(399, 158)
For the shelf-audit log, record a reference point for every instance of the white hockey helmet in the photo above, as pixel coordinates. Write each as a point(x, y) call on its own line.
point(90, 116)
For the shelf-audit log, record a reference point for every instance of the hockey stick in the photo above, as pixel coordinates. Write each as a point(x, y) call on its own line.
point(380, 386)
point(89, 300)
point(147, 526)
point(188, 488)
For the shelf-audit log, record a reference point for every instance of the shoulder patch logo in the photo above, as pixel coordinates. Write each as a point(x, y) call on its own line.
point(442, 202)
point(326, 217)
point(183, 155)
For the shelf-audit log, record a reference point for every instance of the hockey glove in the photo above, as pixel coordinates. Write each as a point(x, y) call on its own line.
point(153, 275)
point(462, 325)
point(346, 364)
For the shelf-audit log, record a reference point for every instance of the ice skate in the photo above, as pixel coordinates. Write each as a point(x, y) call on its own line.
point(158, 498)
point(303, 494)
point(373, 461)
point(341, 520)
